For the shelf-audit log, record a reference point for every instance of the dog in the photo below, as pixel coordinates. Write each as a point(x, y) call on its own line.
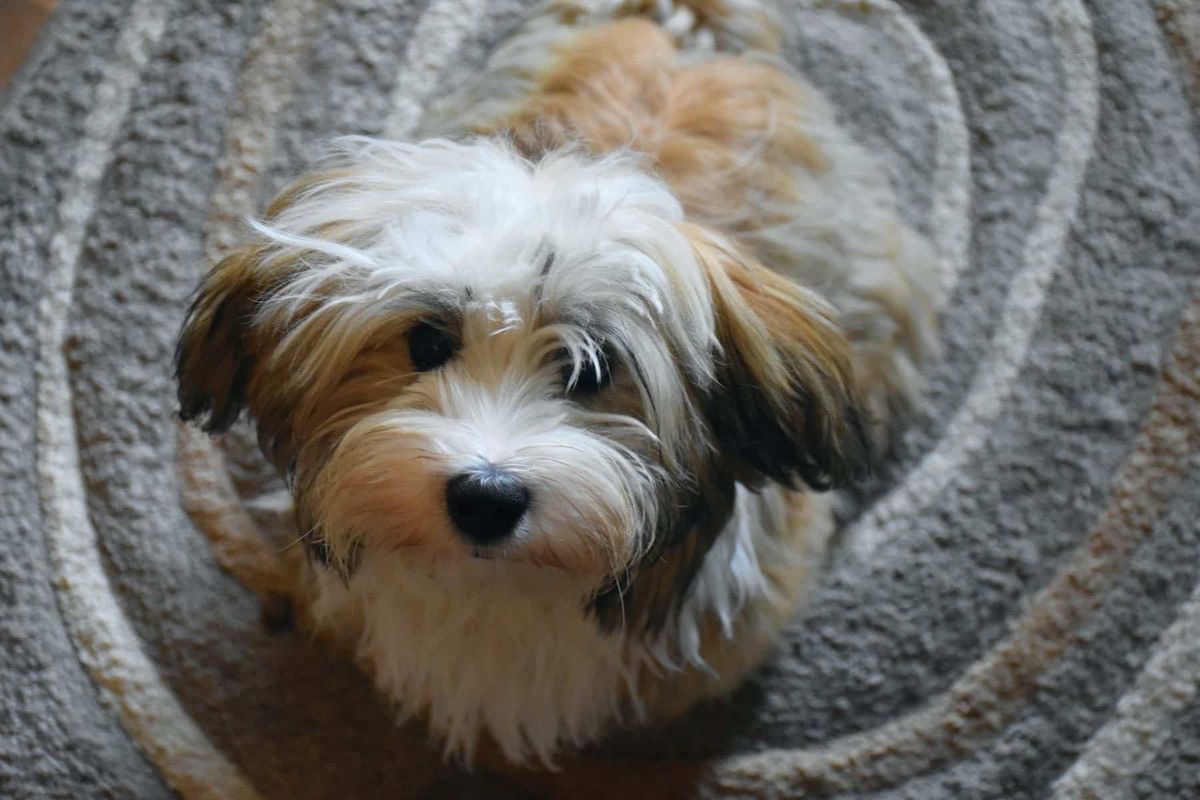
point(560, 387)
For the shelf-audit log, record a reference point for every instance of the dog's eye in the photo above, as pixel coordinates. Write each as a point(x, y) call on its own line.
point(430, 347)
point(592, 377)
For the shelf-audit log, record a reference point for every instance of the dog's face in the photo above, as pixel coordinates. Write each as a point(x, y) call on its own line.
point(451, 350)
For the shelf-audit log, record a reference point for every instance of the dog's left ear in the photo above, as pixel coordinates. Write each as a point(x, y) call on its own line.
point(786, 403)
point(216, 354)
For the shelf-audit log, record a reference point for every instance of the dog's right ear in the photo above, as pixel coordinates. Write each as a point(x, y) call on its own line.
point(787, 405)
point(217, 351)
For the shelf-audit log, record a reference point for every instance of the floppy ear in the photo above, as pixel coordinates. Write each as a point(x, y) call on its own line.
point(785, 405)
point(216, 354)
point(220, 353)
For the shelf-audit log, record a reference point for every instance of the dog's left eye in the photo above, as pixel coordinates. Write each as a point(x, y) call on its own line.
point(592, 377)
point(430, 347)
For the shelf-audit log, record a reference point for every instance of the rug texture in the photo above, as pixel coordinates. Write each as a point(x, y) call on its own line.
point(1012, 610)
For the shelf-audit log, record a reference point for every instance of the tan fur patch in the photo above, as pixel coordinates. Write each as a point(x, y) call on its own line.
point(715, 130)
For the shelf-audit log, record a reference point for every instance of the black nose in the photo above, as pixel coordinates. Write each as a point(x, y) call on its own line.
point(486, 504)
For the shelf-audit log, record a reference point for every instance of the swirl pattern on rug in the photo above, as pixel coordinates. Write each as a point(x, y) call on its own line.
point(1014, 606)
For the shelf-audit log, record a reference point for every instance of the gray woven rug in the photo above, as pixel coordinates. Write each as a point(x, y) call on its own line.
point(1013, 610)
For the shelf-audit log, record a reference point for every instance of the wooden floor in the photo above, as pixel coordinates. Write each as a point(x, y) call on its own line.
point(20, 21)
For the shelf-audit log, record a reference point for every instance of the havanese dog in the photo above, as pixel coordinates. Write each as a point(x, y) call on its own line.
point(560, 386)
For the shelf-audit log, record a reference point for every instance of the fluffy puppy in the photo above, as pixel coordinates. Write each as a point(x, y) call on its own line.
point(557, 392)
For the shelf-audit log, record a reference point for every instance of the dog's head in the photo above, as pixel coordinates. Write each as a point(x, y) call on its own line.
point(452, 349)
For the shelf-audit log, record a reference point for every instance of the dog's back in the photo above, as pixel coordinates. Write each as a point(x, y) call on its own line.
point(748, 147)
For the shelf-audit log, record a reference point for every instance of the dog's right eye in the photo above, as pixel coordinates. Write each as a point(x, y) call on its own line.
point(430, 347)
point(591, 377)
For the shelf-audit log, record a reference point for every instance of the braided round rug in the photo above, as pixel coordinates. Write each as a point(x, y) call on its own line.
point(1013, 609)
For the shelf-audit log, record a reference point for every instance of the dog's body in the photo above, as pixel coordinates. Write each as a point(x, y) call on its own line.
point(551, 427)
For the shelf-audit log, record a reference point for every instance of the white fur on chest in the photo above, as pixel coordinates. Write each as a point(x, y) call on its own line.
point(473, 647)
point(491, 646)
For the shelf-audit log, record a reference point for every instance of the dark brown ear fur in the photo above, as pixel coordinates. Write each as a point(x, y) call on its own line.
point(216, 353)
point(786, 404)
point(220, 358)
